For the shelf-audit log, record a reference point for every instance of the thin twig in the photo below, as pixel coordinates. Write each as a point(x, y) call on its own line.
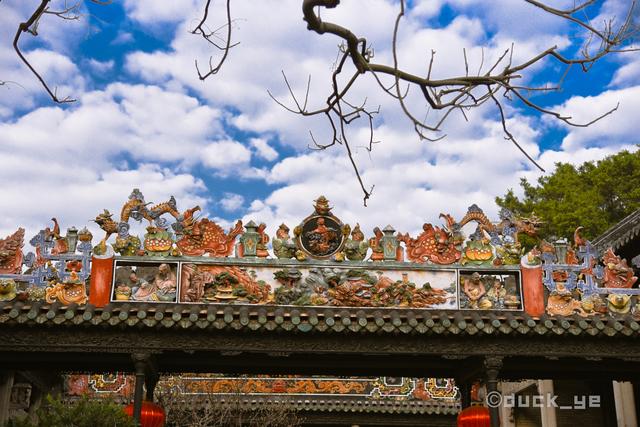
point(207, 35)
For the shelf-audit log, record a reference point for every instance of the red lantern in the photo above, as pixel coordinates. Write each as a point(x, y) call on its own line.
point(152, 415)
point(474, 416)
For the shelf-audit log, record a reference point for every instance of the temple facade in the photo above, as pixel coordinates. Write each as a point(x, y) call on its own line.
point(375, 319)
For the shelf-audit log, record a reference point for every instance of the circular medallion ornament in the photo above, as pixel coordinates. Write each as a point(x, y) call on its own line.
point(320, 235)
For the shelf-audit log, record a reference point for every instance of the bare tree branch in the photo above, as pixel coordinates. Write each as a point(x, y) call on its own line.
point(208, 35)
point(30, 26)
point(456, 93)
point(499, 82)
point(68, 13)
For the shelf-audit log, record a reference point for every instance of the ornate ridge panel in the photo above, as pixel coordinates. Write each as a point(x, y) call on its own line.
point(186, 260)
point(315, 393)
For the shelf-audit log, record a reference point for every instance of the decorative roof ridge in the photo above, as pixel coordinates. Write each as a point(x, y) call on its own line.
point(318, 319)
point(629, 227)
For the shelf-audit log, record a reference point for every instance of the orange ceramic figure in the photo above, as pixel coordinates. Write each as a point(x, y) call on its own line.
point(434, 244)
point(376, 245)
point(261, 247)
point(11, 252)
point(208, 237)
point(617, 274)
point(70, 292)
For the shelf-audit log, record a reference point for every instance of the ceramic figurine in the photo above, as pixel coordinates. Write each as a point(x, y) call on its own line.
point(375, 243)
point(263, 240)
point(477, 250)
point(283, 245)
point(166, 283)
point(106, 223)
point(617, 274)
point(157, 241)
point(84, 235)
point(322, 206)
point(8, 289)
point(533, 257)
point(321, 234)
point(11, 252)
point(454, 229)
point(497, 294)
point(127, 245)
point(562, 303)
point(475, 291)
point(123, 293)
point(141, 289)
point(61, 246)
point(433, 244)
point(356, 247)
point(136, 208)
point(618, 303)
point(510, 225)
point(71, 291)
point(207, 237)
point(509, 253)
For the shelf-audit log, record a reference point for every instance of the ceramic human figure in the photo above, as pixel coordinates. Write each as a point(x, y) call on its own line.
point(141, 290)
point(166, 283)
point(283, 245)
point(475, 290)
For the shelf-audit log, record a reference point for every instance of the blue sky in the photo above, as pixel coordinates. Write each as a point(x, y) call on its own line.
point(143, 120)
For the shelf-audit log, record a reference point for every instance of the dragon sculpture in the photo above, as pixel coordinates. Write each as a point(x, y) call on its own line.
point(205, 236)
point(157, 240)
point(433, 244)
point(617, 274)
point(11, 252)
point(509, 225)
point(196, 236)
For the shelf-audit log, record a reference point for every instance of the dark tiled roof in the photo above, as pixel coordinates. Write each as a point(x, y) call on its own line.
point(381, 406)
point(620, 234)
point(315, 319)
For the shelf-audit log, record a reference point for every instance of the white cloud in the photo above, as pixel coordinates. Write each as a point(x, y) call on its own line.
point(628, 74)
point(147, 122)
point(156, 13)
point(426, 8)
point(225, 156)
point(122, 37)
point(615, 130)
point(231, 202)
point(263, 149)
point(101, 67)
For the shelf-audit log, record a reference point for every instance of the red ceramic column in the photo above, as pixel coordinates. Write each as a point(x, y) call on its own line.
point(101, 276)
point(533, 289)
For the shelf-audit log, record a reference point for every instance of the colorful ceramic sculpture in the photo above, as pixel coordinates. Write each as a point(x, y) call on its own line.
point(321, 234)
point(207, 237)
point(356, 247)
point(434, 244)
point(72, 291)
point(617, 274)
point(11, 252)
point(283, 245)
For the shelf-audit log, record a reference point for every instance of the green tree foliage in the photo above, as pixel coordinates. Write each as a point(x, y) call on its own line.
point(81, 413)
point(593, 195)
